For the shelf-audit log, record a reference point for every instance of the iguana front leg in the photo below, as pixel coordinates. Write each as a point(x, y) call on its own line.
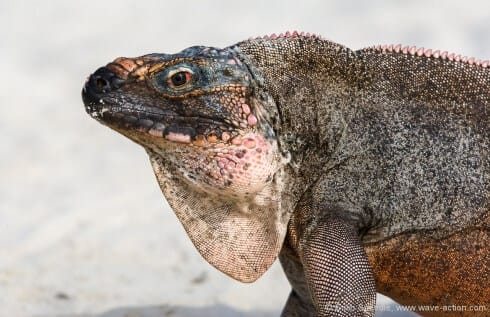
point(331, 272)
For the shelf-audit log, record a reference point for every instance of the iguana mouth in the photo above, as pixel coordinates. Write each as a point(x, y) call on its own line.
point(161, 124)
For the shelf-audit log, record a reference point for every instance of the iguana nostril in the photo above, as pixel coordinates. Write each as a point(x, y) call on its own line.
point(104, 80)
point(102, 84)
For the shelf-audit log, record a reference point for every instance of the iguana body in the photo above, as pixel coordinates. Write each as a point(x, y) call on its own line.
point(362, 170)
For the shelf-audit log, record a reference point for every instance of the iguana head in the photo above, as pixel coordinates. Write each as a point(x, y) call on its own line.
point(203, 118)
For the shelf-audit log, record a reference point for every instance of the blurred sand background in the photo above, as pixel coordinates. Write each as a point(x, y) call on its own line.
point(84, 229)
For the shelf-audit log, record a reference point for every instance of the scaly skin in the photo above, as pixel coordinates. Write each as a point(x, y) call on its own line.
point(362, 170)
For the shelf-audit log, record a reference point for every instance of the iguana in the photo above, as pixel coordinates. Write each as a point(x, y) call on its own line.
point(362, 171)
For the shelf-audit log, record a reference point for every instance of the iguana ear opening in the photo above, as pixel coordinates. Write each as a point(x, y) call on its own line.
point(240, 239)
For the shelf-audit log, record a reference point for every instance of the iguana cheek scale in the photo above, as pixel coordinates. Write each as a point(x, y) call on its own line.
point(361, 170)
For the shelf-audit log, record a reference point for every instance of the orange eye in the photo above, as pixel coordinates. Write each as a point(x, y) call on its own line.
point(179, 79)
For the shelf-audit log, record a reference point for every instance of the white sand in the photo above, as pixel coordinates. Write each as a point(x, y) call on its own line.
point(84, 230)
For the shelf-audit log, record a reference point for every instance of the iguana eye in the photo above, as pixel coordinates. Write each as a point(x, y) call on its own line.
point(179, 78)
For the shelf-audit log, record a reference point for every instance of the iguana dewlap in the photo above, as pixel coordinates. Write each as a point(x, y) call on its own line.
point(362, 170)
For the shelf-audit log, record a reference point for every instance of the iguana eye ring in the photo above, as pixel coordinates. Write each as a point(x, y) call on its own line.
point(179, 78)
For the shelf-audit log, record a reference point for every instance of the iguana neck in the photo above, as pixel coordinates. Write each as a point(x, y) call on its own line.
point(309, 80)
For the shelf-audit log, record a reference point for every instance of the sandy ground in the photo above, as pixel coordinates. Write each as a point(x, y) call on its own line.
point(84, 230)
